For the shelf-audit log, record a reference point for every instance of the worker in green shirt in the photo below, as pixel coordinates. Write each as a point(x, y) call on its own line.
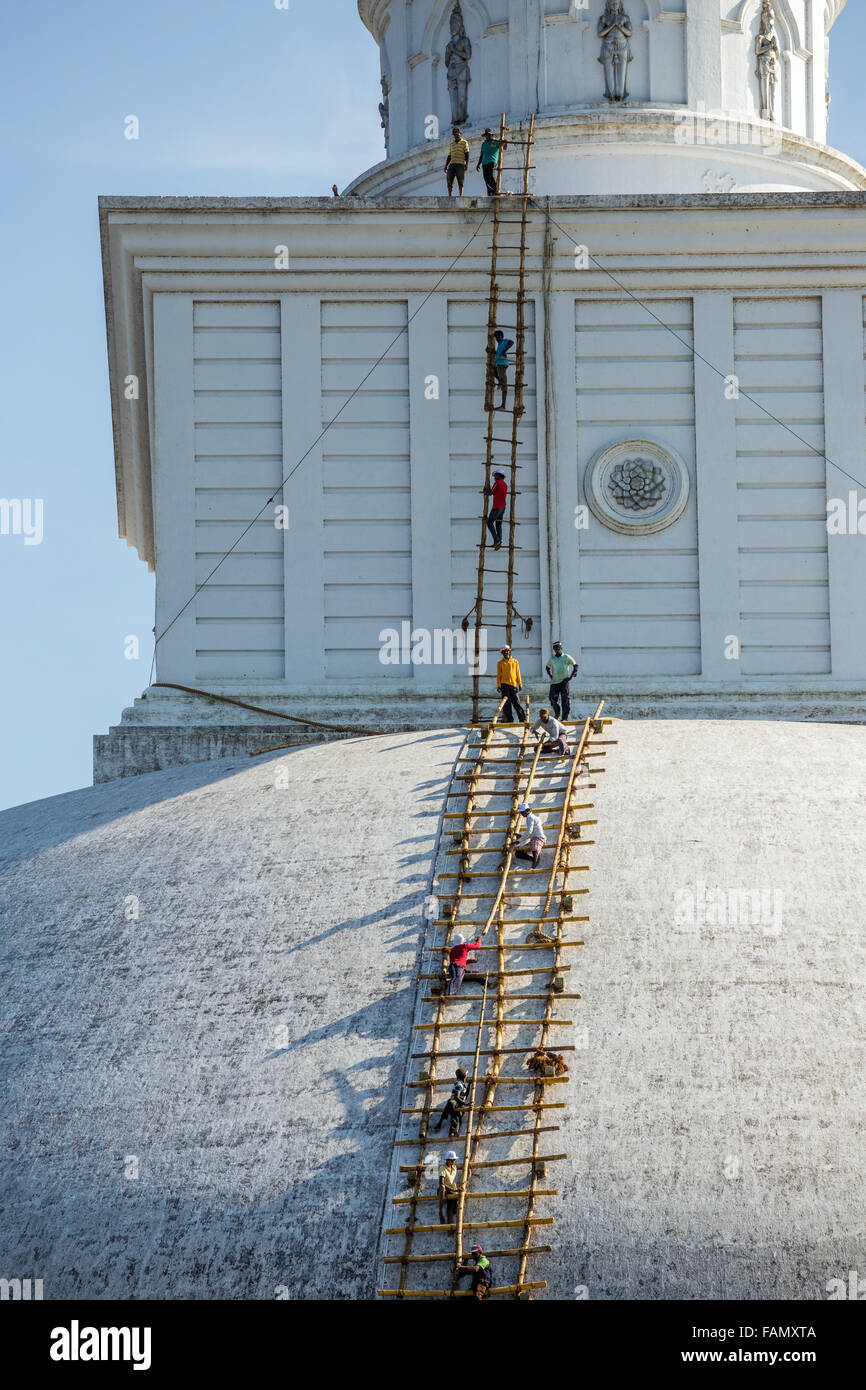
point(560, 678)
point(488, 160)
point(480, 1270)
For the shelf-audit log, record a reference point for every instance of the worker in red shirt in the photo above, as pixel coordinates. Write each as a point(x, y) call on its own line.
point(497, 494)
point(457, 958)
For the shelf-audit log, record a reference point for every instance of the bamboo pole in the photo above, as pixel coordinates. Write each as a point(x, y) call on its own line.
point(484, 1196)
point(459, 1293)
point(516, 1251)
point(464, 1178)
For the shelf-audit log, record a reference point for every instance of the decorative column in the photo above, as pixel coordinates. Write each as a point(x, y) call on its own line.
point(524, 56)
point(703, 56)
point(716, 470)
point(845, 444)
point(174, 485)
point(430, 479)
point(303, 568)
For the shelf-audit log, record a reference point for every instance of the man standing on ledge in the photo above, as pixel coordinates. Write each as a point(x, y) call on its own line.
point(488, 160)
point(509, 683)
point(456, 162)
point(560, 679)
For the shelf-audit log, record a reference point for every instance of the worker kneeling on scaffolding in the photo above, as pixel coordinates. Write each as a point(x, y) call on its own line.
point(482, 1274)
point(533, 839)
point(548, 728)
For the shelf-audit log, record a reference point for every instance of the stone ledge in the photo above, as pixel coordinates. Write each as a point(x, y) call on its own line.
point(171, 731)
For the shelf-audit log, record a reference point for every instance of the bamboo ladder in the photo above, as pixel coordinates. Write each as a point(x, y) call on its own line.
point(500, 253)
point(502, 757)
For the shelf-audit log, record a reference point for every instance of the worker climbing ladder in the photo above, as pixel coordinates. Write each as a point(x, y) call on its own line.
point(507, 259)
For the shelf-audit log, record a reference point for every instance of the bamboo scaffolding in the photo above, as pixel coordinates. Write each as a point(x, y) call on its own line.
point(471, 1226)
point(460, 1293)
point(516, 1250)
point(455, 1139)
point(461, 1200)
point(484, 1196)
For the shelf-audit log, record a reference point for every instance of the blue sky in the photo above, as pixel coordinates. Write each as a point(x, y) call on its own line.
point(233, 97)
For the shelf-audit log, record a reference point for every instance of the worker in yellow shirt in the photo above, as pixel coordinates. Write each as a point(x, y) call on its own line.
point(509, 683)
point(457, 162)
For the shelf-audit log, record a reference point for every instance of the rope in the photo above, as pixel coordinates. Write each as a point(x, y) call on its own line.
point(316, 441)
point(694, 352)
point(274, 713)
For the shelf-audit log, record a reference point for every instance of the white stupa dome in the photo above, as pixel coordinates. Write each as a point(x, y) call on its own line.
point(209, 983)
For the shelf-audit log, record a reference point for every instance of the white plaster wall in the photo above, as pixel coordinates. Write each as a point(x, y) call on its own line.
point(366, 484)
point(386, 513)
point(782, 533)
point(638, 600)
point(239, 616)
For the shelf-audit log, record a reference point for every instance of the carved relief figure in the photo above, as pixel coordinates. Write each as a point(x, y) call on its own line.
point(614, 30)
point(384, 112)
point(457, 56)
point(767, 54)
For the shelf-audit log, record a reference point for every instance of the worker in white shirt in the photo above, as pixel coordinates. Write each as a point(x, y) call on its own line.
point(533, 839)
point(553, 733)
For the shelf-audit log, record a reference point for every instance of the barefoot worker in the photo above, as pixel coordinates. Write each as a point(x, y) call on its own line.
point(533, 840)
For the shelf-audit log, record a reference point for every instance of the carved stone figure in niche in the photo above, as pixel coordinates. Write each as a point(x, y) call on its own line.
point(614, 30)
point(384, 111)
point(767, 54)
point(457, 56)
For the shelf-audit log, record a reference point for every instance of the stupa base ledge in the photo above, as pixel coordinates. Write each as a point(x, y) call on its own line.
point(166, 729)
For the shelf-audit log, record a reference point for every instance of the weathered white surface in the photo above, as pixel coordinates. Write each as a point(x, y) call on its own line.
point(721, 1043)
point(300, 907)
point(262, 1158)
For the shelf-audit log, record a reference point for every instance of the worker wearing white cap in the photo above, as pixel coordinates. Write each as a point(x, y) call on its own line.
point(449, 1189)
point(457, 958)
point(533, 839)
point(509, 684)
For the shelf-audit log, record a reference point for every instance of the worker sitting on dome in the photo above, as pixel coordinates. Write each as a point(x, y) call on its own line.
point(500, 364)
point(449, 1189)
point(482, 1274)
point(548, 728)
point(533, 839)
point(456, 162)
point(456, 1103)
point(488, 160)
point(457, 959)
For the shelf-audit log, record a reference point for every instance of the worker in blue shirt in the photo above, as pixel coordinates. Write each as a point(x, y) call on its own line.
point(500, 363)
